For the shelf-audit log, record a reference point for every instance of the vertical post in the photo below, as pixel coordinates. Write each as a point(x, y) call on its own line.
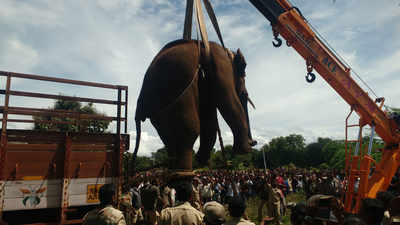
point(371, 139)
point(126, 110)
point(66, 178)
point(5, 111)
point(265, 164)
point(3, 144)
point(118, 170)
point(358, 145)
point(119, 112)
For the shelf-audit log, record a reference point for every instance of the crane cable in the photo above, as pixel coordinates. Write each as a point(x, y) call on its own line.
point(337, 54)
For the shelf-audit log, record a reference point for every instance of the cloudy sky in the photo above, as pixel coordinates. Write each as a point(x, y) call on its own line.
point(114, 42)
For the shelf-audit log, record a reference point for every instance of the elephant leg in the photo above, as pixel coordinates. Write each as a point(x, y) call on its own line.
point(208, 121)
point(179, 127)
point(208, 134)
point(179, 142)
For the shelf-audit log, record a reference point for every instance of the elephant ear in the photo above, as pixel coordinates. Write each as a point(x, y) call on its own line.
point(239, 64)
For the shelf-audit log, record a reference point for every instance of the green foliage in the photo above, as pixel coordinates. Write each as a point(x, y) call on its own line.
point(160, 157)
point(289, 152)
point(285, 150)
point(315, 154)
point(338, 154)
point(144, 163)
point(83, 125)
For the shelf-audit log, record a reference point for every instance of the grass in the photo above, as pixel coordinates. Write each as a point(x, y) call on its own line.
point(253, 203)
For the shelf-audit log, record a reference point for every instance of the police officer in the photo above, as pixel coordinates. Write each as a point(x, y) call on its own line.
point(183, 213)
point(214, 213)
point(106, 214)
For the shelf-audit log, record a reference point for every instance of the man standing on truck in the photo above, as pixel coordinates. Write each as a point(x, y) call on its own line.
point(106, 214)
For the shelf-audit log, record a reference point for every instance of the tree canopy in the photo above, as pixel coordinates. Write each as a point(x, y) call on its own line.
point(49, 122)
point(290, 150)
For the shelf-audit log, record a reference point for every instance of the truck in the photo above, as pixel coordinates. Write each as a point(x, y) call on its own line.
point(288, 21)
point(53, 176)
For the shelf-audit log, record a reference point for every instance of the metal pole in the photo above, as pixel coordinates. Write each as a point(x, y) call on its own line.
point(265, 165)
point(126, 111)
point(358, 141)
point(119, 112)
point(371, 139)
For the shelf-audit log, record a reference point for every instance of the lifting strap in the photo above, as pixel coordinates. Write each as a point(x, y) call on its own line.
point(214, 21)
point(187, 31)
point(187, 35)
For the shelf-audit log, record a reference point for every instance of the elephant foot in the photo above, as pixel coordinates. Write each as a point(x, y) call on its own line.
point(202, 159)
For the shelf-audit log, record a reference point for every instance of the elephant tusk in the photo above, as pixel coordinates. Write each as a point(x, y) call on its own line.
point(251, 102)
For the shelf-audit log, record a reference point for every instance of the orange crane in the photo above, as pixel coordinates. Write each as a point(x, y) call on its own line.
point(373, 176)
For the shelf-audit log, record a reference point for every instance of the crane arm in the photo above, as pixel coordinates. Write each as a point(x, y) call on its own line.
point(288, 21)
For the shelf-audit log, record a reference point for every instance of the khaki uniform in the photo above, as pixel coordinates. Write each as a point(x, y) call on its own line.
point(181, 215)
point(131, 214)
point(196, 202)
point(126, 207)
point(238, 221)
point(165, 196)
point(274, 203)
point(105, 216)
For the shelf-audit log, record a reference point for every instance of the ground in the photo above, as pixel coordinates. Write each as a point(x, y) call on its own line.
point(252, 208)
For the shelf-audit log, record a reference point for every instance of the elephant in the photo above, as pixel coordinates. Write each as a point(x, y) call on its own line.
point(181, 92)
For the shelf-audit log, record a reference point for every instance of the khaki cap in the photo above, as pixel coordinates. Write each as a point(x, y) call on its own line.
point(214, 213)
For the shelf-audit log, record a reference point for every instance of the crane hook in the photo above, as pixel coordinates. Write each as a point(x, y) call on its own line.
point(278, 44)
point(310, 77)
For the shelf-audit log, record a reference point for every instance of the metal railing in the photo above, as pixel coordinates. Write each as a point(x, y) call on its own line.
point(77, 117)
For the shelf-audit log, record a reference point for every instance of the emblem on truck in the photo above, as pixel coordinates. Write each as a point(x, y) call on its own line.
point(32, 197)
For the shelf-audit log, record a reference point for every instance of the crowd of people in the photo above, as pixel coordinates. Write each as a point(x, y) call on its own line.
point(211, 197)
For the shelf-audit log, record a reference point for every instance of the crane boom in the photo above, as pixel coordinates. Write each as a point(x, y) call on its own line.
point(291, 25)
point(289, 22)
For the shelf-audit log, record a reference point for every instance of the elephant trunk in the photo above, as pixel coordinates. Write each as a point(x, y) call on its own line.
point(244, 99)
point(235, 117)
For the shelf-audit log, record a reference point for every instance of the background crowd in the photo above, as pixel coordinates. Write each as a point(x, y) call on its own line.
point(149, 198)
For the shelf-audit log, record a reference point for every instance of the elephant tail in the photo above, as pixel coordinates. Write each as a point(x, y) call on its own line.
point(138, 133)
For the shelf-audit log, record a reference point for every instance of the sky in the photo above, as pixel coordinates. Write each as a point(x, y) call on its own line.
point(114, 42)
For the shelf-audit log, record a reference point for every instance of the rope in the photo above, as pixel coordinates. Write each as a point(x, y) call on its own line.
point(202, 28)
point(203, 32)
point(184, 92)
point(221, 143)
point(214, 21)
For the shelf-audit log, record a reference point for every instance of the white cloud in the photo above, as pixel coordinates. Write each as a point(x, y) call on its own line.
point(115, 41)
point(148, 143)
point(17, 55)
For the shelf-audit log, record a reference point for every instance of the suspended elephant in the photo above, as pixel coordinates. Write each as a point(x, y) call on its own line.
point(181, 92)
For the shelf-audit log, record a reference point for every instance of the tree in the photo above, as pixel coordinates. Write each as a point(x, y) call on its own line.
point(160, 157)
point(284, 150)
point(144, 163)
point(83, 125)
point(314, 154)
point(257, 158)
